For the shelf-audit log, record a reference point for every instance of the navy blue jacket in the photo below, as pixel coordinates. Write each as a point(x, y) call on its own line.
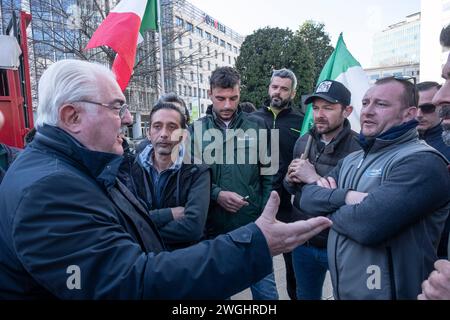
point(433, 137)
point(61, 206)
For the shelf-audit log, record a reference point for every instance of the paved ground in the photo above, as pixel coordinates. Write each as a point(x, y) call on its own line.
point(280, 278)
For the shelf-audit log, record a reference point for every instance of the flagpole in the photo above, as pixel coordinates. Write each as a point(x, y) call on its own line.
point(161, 56)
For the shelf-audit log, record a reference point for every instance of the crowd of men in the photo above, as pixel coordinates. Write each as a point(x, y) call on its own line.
point(198, 210)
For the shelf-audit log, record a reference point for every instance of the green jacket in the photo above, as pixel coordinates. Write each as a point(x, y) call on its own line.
point(233, 155)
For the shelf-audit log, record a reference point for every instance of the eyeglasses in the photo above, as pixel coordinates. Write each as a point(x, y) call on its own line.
point(427, 108)
point(406, 79)
point(122, 107)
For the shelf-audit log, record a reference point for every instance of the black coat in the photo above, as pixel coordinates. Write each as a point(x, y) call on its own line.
point(186, 187)
point(289, 123)
point(62, 209)
point(324, 158)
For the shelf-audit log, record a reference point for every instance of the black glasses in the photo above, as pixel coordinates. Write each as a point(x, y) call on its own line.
point(427, 108)
point(407, 80)
point(122, 107)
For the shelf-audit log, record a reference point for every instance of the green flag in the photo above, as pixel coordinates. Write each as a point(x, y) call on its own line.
point(150, 20)
point(342, 67)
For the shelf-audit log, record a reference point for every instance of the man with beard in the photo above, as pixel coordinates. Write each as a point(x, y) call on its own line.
point(445, 116)
point(169, 187)
point(388, 201)
point(333, 140)
point(432, 132)
point(278, 114)
point(239, 189)
point(437, 286)
point(429, 126)
point(71, 230)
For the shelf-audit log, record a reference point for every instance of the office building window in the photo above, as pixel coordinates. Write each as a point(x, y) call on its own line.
point(179, 22)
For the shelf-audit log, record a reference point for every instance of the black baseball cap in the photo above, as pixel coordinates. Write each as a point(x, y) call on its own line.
point(331, 91)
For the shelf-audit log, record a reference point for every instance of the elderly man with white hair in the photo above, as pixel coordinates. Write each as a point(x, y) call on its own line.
point(69, 229)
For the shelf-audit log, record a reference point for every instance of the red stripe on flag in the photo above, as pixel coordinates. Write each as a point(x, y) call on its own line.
point(119, 31)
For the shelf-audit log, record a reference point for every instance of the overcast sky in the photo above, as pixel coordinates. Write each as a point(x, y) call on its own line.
point(357, 19)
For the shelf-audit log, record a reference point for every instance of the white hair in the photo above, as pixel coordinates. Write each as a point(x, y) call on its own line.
point(67, 81)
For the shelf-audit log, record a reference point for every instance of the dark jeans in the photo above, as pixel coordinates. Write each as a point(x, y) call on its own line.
point(291, 284)
point(310, 266)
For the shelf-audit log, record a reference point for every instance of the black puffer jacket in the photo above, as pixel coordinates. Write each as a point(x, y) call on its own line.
point(324, 158)
point(289, 123)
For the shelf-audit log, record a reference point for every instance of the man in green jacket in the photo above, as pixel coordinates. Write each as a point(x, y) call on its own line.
point(233, 145)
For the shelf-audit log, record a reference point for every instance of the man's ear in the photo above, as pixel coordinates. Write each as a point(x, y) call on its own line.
point(293, 94)
point(70, 118)
point(348, 111)
point(410, 113)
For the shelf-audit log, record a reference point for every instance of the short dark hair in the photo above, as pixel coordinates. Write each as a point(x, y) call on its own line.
point(224, 77)
point(427, 85)
point(445, 36)
point(247, 107)
point(168, 106)
point(410, 94)
point(173, 97)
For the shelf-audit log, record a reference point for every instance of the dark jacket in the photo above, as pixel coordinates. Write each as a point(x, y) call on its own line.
point(289, 123)
point(384, 247)
point(324, 158)
point(184, 187)
point(433, 137)
point(7, 156)
point(228, 174)
point(61, 208)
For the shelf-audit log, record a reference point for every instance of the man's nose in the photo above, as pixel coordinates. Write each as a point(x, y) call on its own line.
point(127, 119)
point(443, 95)
point(419, 113)
point(369, 108)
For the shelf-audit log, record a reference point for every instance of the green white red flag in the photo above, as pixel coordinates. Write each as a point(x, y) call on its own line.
point(122, 30)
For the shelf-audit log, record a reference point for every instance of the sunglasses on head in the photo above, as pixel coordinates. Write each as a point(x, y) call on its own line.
point(427, 108)
point(411, 80)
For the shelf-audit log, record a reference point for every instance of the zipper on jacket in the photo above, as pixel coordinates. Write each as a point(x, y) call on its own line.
point(336, 269)
point(391, 274)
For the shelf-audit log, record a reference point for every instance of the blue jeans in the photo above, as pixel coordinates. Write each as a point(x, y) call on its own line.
point(265, 289)
point(310, 267)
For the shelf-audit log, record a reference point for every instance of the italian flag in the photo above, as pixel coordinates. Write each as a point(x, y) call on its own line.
point(343, 67)
point(122, 30)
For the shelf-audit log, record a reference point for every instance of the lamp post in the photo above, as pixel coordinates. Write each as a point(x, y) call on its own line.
point(198, 91)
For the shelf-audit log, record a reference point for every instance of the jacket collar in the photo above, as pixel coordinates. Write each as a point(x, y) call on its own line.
point(219, 122)
point(146, 161)
point(342, 135)
point(433, 132)
point(395, 135)
point(284, 111)
point(103, 167)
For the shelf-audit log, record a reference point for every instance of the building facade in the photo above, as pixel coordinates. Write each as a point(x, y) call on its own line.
point(194, 44)
point(435, 16)
point(404, 70)
point(399, 44)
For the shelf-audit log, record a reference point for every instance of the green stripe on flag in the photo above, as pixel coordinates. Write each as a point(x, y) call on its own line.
point(150, 19)
point(339, 62)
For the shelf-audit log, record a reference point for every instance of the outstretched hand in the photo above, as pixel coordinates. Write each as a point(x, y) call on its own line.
point(284, 237)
